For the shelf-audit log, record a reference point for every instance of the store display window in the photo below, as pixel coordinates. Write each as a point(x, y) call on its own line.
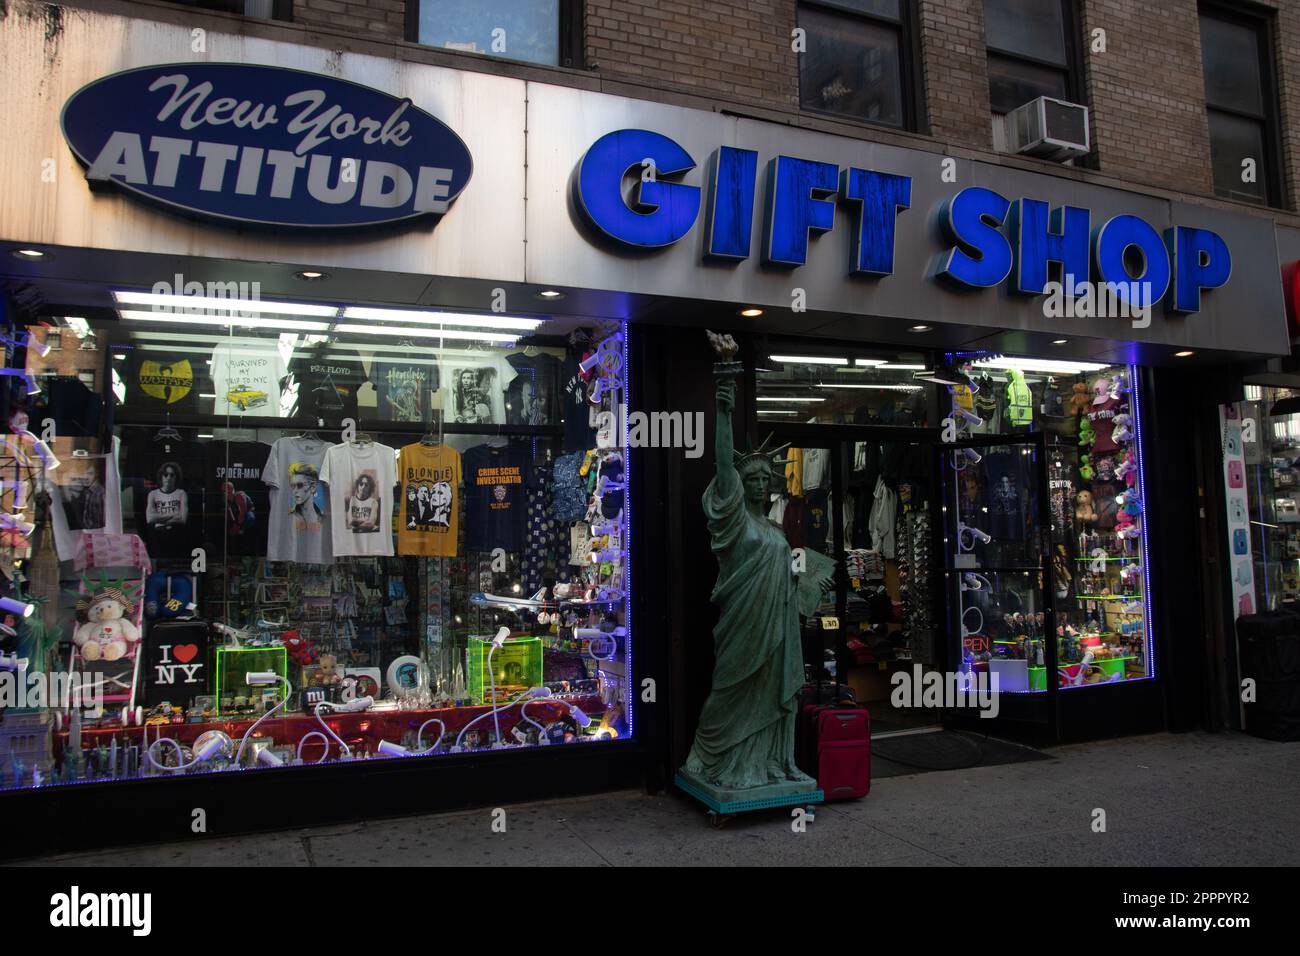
point(845, 387)
point(266, 534)
point(1045, 532)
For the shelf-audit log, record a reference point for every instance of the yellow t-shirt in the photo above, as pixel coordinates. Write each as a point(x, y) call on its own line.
point(428, 478)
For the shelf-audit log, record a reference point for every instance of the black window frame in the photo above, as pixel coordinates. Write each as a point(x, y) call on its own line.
point(281, 10)
point(572, 49)
point(1072, 24)
point(1262, 22)
point(911, 77)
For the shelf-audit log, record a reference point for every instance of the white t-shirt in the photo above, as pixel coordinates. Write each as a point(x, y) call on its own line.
point(297, 530)
point(246, 374)
point(361, 476)
point(473, 388)
point(87, 496)
point(170, 508)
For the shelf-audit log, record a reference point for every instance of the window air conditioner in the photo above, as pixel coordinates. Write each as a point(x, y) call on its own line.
point(1049, 129)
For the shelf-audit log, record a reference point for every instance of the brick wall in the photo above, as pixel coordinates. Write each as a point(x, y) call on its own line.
point(1287, 56)
point(737, 50)
point(1147, 93)
point(366, 18)
point(954, 62)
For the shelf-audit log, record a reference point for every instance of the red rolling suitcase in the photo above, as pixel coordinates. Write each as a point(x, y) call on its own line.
point(836, 749)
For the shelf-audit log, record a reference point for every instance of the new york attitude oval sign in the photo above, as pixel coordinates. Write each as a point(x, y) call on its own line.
point(265, 145)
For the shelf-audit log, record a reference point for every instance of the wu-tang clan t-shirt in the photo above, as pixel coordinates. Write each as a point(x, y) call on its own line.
point(297, 529)
point(246, 377)
point(494, 497)
point(360, 476)
point(428, 479)
point(404, 387)
point(163, 381)
point(236, 502)
point(325, 382)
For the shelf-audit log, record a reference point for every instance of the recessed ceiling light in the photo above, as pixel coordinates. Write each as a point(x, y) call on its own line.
point(920, 328)
point(1059, 341)
point(30, 254)
point(311, 275)
point(751, 313)
point(550, 294)
point(1183, 354)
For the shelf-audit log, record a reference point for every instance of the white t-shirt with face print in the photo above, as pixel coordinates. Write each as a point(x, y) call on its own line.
point(360, 477)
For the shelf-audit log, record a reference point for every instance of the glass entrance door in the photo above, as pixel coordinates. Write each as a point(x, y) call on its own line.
point(996, 557)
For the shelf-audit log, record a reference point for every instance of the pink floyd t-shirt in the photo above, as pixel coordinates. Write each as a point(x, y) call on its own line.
point(297, 526)
point(361, 476)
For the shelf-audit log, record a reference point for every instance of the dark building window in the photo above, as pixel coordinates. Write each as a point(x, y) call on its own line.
point(263, 9)
point(534, 31)
point(1030, 51)
point(1240, 100)
point(858, 60)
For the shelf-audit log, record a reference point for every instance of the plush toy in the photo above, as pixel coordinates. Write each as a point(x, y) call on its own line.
point(327, 674)
point(106, 631)
point(1128, 470)
point(1079, 399)
point(1118, 386)
point(1130, 531)
point(1087, 434)
point(1132, 504)
point(1122, 520)
point(1085, 468)
point(300, 649)
point(1083, 509)
point(1123, 428)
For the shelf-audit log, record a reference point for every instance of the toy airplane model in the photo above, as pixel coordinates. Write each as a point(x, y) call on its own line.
point(537, 603)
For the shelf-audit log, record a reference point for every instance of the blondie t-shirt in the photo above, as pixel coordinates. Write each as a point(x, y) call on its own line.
point(404, 387)
point(494, 497)
point(428, 479)
point(324, 382)
point(246, 377)
point(297, 529)
point(360, 476)
point(236, 500)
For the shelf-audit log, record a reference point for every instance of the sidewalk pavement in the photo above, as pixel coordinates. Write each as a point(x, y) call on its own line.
point(1169, 800)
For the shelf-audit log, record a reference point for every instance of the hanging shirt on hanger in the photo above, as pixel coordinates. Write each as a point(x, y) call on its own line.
point(237, 504)
point(533, 395)
point(473, 388)
point(494, 497)
point(429, 489)
point(298, 530)
point(404, 386)
point(86, 495)
point(360, 477)
point(246, 376)
point(325, 380)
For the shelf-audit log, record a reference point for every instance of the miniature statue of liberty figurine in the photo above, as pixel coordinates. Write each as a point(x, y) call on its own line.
point(745, 737)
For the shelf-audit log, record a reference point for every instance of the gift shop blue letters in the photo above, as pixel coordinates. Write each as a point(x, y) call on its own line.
point(992, 239)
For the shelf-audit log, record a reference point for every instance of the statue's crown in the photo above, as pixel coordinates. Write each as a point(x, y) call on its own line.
point(741, 458)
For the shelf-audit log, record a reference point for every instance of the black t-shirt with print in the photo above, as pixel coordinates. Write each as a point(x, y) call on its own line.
point(327, 379)
point(236, 500)
point(404, 387)
point(533, 396)
point(163, 381)
point(579, 435)
point(165, 476)
point(495, 504)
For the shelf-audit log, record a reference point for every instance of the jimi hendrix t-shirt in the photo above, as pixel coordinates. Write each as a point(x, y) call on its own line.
point(404, 387)
point(360, 476)
point(429, 479)
point(298, 530)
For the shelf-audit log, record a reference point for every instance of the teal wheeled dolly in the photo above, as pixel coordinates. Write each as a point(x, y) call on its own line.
point(720, 810)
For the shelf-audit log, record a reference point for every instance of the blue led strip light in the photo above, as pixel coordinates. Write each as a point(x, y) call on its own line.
point(1136, 391)
point(627, 531)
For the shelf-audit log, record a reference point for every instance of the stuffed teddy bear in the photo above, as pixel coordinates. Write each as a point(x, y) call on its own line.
point(300, 649)
point(1123, 428)
point(1080, 398)
point(1085, 468)
point(1087, 434)
point(106, 631)
point(1083, 509)
point(327, 674)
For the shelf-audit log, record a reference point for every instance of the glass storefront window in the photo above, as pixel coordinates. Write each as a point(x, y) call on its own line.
point(311, 532)
point(1072, 438)
point(844, 388)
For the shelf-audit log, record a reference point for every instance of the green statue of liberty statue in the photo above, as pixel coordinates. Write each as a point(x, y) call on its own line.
point(745, 736)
